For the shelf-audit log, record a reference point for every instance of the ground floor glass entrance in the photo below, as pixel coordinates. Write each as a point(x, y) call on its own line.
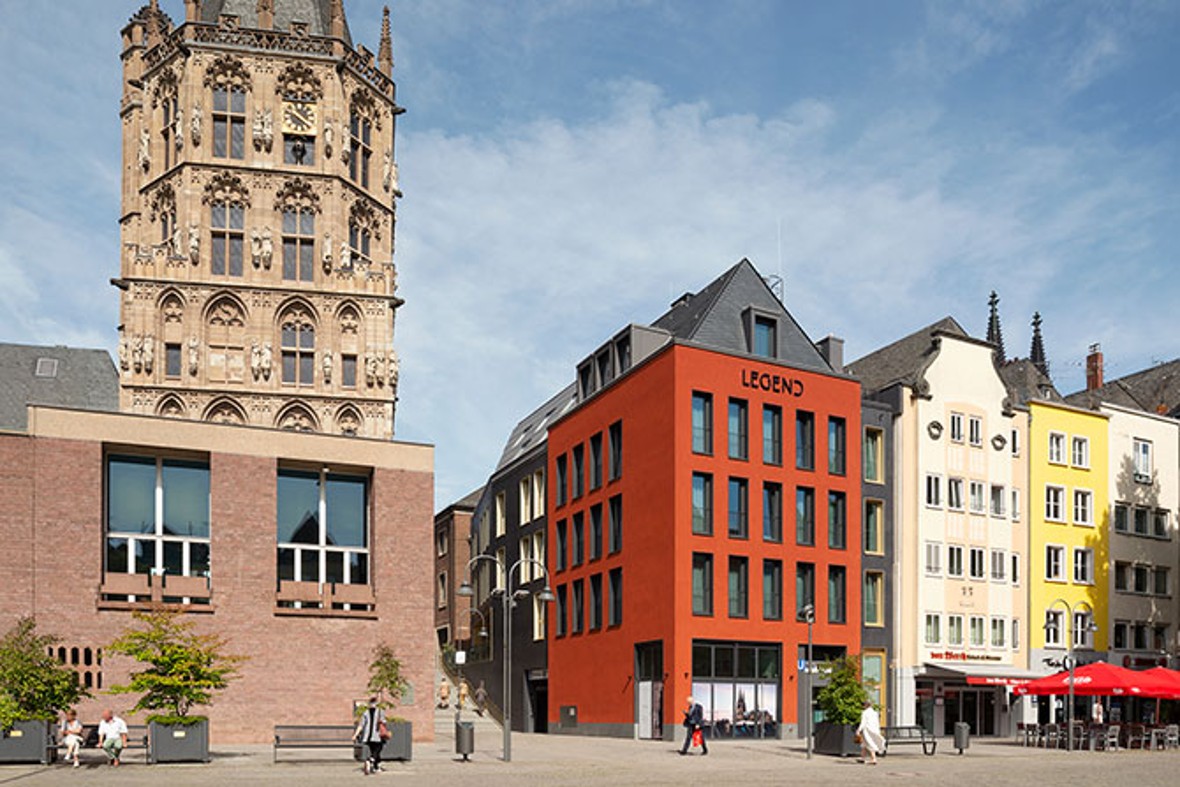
point(737, 685)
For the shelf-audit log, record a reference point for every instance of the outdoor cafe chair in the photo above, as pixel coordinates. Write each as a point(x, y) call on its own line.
point(1172, 739)
point(1110, 740)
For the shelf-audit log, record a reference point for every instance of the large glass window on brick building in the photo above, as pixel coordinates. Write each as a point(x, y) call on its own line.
point(737, 685)
point(323, 533)
point(157, 516)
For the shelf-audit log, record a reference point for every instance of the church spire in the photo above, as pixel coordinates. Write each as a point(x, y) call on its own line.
point(995, 334)
point(153, 24)
point(1037, 353)
point(385, 53)
point(336, 17)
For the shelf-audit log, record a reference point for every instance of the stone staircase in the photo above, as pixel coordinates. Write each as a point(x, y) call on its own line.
point(487, 729)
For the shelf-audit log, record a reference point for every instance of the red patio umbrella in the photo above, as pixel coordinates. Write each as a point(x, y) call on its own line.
point(1099, 679)
point(1166, 683)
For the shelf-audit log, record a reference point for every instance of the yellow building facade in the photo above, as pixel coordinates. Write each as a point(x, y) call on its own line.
point(1069, 534)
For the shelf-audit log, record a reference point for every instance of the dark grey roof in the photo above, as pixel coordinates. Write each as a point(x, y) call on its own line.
point(1154, 390)
point(904, 360)
point(1026, 382)
point(316, 13)
point(466, 503)
point(713, 318)
point(81, 379)
point(533, 430)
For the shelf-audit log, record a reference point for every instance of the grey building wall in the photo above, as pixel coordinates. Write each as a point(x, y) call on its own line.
point(880, 415)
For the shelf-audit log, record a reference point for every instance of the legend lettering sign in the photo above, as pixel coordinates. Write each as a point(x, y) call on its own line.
point(774, 383)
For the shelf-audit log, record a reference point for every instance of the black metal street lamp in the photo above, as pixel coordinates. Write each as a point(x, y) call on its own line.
point(807, 614)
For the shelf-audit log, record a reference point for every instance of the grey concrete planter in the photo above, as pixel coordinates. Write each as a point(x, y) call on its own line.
point(178, 742)
point(836, 739)
point(400, 745)
point(28, 741)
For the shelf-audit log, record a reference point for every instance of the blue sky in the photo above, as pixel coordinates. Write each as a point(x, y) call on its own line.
point(571, 166)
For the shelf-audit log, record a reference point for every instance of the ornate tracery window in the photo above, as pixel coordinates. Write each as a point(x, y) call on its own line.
point(297, 340)
point(227, 200)
point(361, 121)
point(229, 82)
point(363, 228)
point(298, 205)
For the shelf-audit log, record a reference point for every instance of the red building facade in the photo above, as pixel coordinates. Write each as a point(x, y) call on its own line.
point(704, 489)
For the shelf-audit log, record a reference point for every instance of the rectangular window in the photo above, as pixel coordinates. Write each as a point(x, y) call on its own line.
point(978, 506)
point(1142, 575)
point(933, 626)
point(596, 461)
point(229, 123)
point(804, 440)
point(1055, 563)
point(954, 630)
point(702, 584)
point(298, 244)
point(500, 513)
point(562, 606)
point(999, 496)
point(1122, 517)
point(954, 560)
point(738, 426)
point(1141, 517)
point(298, 150)
point(524, 499)
point(805, 516)
point(933, 558)
point(1015, 505)
point(360, 149)
point(999, 565)
point(1083, 637)
point(577, 606)
point(1015, 452)
point(975, 431)
point(1080, 452)
point(1083, 507)
point(579, 539)
point(977, 632)
point(873, 521)
point(1121, 573)
point(615, 471)
point(1160, 521)
point(772, 512)
point(739, 494)
point(595, 622)
point(772, 589)
point(538, 494)
point(874, 598)
point(874, 453)
point(954, 494)
point(540, 611)
point(772, 434)
point(837, 447)
point(348, 370)
point(702, 423)
point(596, 531)
point(172, 361)
point(837, 520)
point(739, 579)
point(837, 580)
point(702, 504)
point(1057, 448)
point(615, 530)
point(1015, 633)
point(1055, 503)
point(956, 427)
point(934, 491)
point(976, 567)
point(227, 231)
point(560, 473)
point(1015, 569)
point(765, 337)
point(1141, 450)
point(1120, 635)
point(804, 586)
point(1140, 636)
point(1159, 581)
point(615, 607)
point(562, 538)
point(322, 521)
point(579, 471)
point(525, 548)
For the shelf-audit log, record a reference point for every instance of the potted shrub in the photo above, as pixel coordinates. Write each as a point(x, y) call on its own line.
point(34, 689)
point(841, 702)
point(184, 669)
point(387, 683)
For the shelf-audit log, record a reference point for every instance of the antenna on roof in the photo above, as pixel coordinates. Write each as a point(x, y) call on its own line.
point(775, 283)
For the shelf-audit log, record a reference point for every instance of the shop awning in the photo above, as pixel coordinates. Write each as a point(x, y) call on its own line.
point(980, 674)
point(1101, 679)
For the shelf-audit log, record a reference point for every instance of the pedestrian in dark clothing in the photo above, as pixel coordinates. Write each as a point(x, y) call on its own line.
point(694, 717)
point(371, 731)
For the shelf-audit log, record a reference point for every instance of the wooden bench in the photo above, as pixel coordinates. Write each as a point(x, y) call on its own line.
point(137, 738)
point(899, 736)
point(312, 736)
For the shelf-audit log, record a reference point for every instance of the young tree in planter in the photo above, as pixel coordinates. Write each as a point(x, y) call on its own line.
point(184, 668)
point(842, 700)
point(34, 686)
point(385, 677)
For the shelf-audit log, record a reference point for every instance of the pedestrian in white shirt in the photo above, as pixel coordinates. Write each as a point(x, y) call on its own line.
point(871, 740)
point(112, 736)
point(71, 735)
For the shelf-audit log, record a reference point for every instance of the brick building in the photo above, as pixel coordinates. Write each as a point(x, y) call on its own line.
point(452, 550)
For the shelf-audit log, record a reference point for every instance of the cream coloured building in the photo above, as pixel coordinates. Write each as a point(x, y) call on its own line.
point(258, 214)
point(960, 551)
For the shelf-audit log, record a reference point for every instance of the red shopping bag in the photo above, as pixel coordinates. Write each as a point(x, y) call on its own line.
point(697, 738)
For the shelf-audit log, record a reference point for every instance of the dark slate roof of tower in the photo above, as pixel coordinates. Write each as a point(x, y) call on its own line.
point(533, 429)
point(904, 360)
point(713, 318)
point(1026, 382)
point(316, 13)
point(1154, 390)
point(61, 376)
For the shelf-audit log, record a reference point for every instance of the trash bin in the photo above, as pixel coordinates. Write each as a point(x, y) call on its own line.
point(962, 735)
point(464, 738)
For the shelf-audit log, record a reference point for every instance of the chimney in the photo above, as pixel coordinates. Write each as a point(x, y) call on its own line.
point(1094, 368)
point(832, 349)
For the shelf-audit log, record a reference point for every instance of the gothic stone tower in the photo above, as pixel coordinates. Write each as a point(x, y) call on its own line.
point(259, 187)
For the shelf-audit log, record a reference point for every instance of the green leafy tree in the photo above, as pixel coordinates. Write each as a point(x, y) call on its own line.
point(33, 684)
point(842, 700)
point(385, 677)
point(184, 668)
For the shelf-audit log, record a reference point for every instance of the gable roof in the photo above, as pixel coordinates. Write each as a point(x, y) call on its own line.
point(316, 13)
point(533, 429)
point(66, 377)
point(713, 318)
point(904, 360)
point(1025, 382)
point(1153, 390)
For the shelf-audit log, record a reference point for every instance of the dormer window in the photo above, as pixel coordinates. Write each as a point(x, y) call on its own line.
point(761, 333)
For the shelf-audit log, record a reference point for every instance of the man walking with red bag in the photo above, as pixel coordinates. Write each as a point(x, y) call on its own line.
point(694, 717)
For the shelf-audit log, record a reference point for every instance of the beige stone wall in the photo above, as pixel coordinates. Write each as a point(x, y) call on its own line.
point(227, 329)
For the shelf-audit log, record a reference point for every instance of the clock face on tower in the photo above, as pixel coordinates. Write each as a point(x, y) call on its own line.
point(299, 117)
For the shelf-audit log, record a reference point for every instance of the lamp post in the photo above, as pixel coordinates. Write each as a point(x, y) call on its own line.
point(483, 633)
point(508, 600)
point(1070, 661)
point(807, 614)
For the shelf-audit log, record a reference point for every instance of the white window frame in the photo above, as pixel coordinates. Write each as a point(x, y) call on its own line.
point(954, 494)
point(1084, 576)
point(956, 427)
point(1082, 636)
point(954, 555)
point(933, 490)
point(936, 619)
point(1015, 504)
point(977, 563)
point(1079, 452)
point(1015, 639)
point(1015, 442)
point(1000, 560)
point(1141, 453)
point(1057, 448)
point(975, 431)
point(954, 631)
point(977, 497)
point(525, 492)
point(1053, 632)
point(1057, 515)
point(540, 608)
point(977, 623)
point(1002, 491)
point(933, 567)
point(1015, 575)
point(1059, 551)
point(1083, 503)
point(999, 626)
point(499, 514)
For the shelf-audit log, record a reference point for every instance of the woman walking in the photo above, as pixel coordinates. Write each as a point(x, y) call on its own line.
point(869, 731)
point(372, 732)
